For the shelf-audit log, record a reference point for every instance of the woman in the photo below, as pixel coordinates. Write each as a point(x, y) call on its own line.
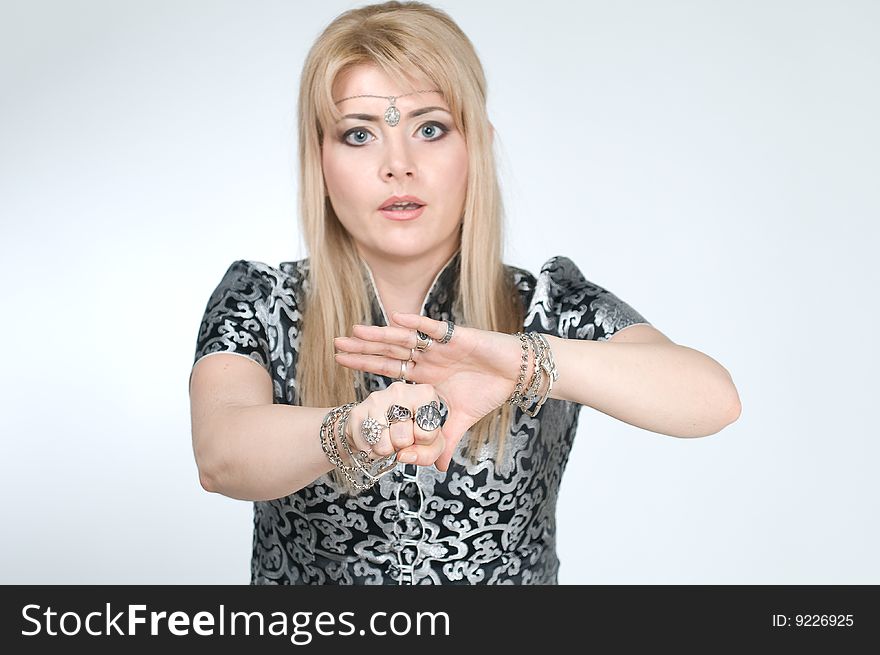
point(415, 399)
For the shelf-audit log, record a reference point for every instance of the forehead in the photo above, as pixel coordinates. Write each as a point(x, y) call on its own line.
point(369, 79)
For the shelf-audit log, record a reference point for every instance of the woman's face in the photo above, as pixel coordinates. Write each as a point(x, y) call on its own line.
point(366, 162)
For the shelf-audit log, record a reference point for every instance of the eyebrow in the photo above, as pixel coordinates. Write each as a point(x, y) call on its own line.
point(412, 114)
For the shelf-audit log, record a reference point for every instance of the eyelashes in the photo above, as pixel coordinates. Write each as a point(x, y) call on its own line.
point(361, 132)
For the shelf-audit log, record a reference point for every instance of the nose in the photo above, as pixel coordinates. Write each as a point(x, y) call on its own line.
point(398, 161)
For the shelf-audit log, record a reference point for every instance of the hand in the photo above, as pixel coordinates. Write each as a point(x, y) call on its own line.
point(474, 374)
point(412, 444)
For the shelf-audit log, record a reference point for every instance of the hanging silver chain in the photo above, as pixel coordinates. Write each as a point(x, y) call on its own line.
point(409, 552)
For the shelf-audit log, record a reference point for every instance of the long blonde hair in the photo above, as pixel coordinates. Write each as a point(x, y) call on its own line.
point(402, 39)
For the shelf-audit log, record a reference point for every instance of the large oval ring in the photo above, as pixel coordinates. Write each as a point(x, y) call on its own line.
point(449, 329)
point(423, 341)
point(397, 413)
point(371, 430)
point(428, 416)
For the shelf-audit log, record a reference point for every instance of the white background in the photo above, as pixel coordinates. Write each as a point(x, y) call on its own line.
point(714, 164)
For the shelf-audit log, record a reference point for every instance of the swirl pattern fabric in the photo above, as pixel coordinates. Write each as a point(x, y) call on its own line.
point(493, 522)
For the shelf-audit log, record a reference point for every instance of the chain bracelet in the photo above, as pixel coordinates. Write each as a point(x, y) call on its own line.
point(545, 367)
point(548, 366)
point(328, 443)
point(537, 375)
point(517, 396)
point(535, 382)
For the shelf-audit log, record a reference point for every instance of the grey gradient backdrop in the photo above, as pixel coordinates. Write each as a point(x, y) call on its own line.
point(714, 164)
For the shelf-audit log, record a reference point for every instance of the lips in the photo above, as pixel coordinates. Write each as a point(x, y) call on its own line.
point(401, 200)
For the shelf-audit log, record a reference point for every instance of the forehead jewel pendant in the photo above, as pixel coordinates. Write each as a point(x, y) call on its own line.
point(392, 114)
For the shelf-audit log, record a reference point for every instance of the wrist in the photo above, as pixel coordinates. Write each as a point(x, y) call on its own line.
point(542, 373)
point(524, 370)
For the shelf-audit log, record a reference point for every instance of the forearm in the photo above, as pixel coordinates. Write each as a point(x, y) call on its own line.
point(262, 452)
point(665, 388)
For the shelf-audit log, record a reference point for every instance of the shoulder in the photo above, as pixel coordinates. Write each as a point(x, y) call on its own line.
point(252, 279)
point(557, 277)
point(561, 300)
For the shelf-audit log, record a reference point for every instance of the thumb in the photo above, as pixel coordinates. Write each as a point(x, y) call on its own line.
point(442, 463)
point(452, 434)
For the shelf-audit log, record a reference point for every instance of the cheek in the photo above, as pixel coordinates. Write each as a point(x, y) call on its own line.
point(332, 174)
point(457, 173)
point(340, 174)
point(348, 190)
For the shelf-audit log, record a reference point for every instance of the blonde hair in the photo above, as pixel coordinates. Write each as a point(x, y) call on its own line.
point(404, 39)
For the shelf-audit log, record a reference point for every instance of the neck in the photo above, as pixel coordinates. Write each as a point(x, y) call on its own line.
point(403, 284)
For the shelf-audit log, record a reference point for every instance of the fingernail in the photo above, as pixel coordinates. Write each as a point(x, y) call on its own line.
point(407, 458)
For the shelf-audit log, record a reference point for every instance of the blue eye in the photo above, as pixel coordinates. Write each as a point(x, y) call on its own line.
point(435, 129)
point(358, 131)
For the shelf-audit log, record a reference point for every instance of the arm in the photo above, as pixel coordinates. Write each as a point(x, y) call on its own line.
point(642, 378)
point(245, 446)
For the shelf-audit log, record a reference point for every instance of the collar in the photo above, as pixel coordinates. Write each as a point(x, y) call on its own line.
point(437, 303)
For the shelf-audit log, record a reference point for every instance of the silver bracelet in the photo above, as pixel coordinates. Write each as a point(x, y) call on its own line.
point(548, 365)
point(328, 444)
point(538, 373)
point(545, 366)
point(517, 395)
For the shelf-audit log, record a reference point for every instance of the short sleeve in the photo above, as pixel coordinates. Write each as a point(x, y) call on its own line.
point(568, 305)
point(235, 316)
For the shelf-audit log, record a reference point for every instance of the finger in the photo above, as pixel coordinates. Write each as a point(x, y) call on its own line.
point(355, 434)
point(425, 436)
point(360, 346)
point(402, 434)
point(386, 334)
point(434, 329)
point(384, 366)
point(453, 431)
point(423, 455)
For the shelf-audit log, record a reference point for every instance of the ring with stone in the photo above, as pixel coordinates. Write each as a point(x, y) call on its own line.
point(450, 327)
point(423, 341)
point(371, 430)
point(428, 416)
point(397, 413)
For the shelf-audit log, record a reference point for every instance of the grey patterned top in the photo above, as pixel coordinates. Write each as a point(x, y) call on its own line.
point(489, 523)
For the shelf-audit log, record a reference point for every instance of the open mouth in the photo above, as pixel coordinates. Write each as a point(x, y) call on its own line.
point(402, 206)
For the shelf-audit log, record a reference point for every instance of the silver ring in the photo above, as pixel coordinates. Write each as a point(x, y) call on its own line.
point(423, 341)
point(371, 430)
point(449, 329)
point(412, 354)
point(428, 416)
point(403, 370)
point(398, 413)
